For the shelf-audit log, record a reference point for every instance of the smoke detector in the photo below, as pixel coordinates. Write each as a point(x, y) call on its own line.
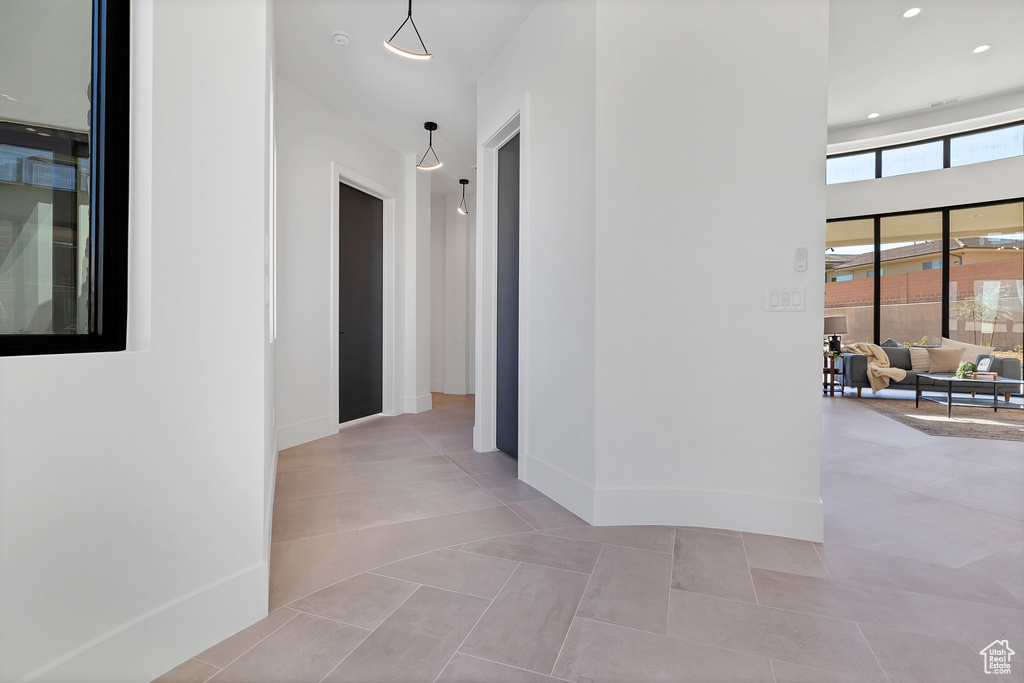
point(342, 38)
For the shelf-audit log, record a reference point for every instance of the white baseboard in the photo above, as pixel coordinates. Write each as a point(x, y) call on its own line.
point(457, 388)
point(437, 386)
point(270, 486)
point(147, 647)
point(737, 511)
point(308, 430)
point(418, 404)
point(575, 495)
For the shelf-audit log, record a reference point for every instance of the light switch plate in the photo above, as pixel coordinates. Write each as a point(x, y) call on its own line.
point(801, 259)
point(786, 299)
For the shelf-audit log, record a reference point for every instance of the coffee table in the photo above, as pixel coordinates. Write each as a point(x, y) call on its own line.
point(971, 385)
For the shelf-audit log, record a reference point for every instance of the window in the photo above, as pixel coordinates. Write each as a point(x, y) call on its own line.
point(849, 291)
point(63, 177)
point(910, 296)
point(961, 149)
point(915, 299)
point(990, 145)
point(986, 280)
point(912, 159)
point(850, 168)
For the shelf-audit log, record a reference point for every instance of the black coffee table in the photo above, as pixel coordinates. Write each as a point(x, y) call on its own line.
point(969, 385)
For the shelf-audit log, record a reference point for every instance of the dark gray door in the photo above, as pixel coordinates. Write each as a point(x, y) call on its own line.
point(360, 304)
point(507, 408)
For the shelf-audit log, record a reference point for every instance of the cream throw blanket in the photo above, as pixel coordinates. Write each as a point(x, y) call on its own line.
point(879, 372)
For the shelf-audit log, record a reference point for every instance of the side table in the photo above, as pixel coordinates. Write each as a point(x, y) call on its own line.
point(830, 373)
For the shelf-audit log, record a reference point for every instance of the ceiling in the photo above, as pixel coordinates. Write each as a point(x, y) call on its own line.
point(390, 96)
point(882, 62)
point(878, 62)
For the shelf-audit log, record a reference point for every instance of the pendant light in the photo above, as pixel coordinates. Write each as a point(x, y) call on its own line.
point(430, 126)
point(406, 53)
point(463, 209)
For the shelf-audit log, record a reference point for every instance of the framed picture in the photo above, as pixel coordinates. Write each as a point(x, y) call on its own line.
point(985, 363)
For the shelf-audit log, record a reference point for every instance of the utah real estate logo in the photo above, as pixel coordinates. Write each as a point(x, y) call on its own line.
point(997, 657)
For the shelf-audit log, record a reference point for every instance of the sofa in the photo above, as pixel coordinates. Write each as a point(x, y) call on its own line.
point(855, 373)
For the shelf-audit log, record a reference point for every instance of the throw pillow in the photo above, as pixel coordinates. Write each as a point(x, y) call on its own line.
point(920, 361)
point(971, 351)
point(944, 360)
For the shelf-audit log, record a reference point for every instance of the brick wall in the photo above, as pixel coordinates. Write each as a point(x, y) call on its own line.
point(912, 303)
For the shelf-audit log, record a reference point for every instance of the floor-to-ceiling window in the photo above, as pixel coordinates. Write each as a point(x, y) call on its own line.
point(986, 277)
point(895, 275)
point(850, 277)
point(911, 278)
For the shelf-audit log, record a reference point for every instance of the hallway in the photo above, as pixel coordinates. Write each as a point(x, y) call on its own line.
point(399, 554)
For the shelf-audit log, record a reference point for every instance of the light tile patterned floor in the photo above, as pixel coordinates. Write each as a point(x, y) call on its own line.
point(401, 555)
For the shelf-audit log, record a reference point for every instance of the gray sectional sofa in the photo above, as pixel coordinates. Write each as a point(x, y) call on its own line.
point(855, 372)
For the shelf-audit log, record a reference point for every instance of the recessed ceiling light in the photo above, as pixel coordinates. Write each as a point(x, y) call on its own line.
point(45, 135)
point(342, 38)
point(30, 130)
point(932, 220)
point(976, 215)
point(982, 48)
point(912, 12)
point(873, 115)
point(8, 97)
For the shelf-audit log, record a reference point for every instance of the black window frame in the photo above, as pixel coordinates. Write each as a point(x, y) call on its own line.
point(945, 139)
point(108, 202)
point(945, 211)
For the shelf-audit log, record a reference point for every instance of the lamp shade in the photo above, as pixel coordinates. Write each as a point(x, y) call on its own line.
point(835, 324)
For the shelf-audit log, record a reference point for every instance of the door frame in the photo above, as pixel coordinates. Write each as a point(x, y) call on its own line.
point(343, 174)
point(484, 429)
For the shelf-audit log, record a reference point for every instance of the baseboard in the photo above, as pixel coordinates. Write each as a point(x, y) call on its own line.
point(418, 404)
point(575, 495)
point(754, 513)
point(437, 386)
point(270, 481)
point(309, 430)
point(457, 388)
point(154, 643)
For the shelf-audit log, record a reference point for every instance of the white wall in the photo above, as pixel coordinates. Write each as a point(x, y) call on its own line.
point(458, 284)
point(132, 512)
point(551, 63)
point(707, 409)
point(438, 228)
point(650, 183)
point(310, 137)
point(48, 86)
point(452, 292)
point(415, 238)
point(470, 339)
point(989, 181)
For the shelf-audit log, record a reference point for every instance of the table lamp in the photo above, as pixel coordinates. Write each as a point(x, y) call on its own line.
point(835, 325)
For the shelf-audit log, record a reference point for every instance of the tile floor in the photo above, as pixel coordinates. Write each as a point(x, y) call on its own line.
point(401, 555)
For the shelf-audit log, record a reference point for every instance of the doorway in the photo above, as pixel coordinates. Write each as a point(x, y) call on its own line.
point(507, 339)
point(360, 304)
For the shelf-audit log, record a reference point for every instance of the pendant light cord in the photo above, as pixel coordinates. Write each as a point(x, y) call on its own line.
point(430, 149)
point(409, 20)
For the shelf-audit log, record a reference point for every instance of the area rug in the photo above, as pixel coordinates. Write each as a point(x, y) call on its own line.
point(930, 418)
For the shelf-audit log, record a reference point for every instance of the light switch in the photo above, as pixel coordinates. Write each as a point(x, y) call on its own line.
point(785, 299)
point(775, 297)
point(798, 298)
point(801, 259)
